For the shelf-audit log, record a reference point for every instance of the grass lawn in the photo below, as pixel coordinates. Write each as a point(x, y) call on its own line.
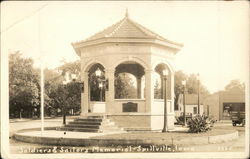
point(160, 135)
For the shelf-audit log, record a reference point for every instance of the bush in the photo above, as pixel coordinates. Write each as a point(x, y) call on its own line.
point(200, 123)
point(180, 119)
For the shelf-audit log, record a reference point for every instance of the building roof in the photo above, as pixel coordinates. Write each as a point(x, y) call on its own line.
point(190, 99)
point(227, 96)
point(126, 29)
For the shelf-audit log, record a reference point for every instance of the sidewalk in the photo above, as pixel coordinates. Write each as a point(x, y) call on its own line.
point(224, 121)
point(196, 141)
point(45, 118)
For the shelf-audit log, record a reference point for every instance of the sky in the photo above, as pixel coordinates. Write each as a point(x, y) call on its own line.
point(215, 35)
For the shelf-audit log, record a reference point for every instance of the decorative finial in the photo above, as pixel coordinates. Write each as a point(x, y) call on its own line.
point(126, 14)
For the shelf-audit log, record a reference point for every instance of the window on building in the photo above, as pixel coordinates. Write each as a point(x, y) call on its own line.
point(195, 110)
point(232, 107)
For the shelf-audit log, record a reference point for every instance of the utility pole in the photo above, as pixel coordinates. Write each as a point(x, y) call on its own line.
point(39, 50)
point(42, 69)
point(198, 93)
point(41, 73)
point(184, 102)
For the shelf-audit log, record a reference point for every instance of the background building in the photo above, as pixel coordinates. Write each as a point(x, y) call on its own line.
point(221, 104)
point(191, 102)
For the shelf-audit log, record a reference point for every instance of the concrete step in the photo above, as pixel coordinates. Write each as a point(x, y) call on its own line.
point(111, 129)
point(83, 126)
point(93, 123)
point(78, 129)
point(92, 117)
point(108, 124)
point(85, 123)
point(88, 120)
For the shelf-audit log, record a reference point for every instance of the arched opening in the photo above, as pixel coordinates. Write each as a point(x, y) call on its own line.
point(158, 86)
point(159, 81)
point(129, 81)
point(96, 75)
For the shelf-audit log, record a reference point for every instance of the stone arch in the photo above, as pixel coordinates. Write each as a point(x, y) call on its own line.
point(96, 83)
point(170, 67)
point(133, 59)
point(90, 63)
point(158, 68)
point(131, 67)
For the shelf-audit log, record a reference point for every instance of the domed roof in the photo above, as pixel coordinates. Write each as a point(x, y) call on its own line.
point(124, 29)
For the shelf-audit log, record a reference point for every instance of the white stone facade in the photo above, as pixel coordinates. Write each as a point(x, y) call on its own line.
point(119, 45)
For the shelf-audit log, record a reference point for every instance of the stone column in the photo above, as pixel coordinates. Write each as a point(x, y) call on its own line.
point(110, 93)
point(85, 94)
point(139, 87)
point(170, 113)
point(162, 87)
point(149, 90)
point(172, 92)
point(142, 90)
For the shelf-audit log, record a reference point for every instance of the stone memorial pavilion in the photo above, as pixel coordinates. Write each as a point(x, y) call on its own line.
point(128, 47)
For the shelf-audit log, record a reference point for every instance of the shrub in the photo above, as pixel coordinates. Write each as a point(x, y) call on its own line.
point(179, 120)
point(200, 123)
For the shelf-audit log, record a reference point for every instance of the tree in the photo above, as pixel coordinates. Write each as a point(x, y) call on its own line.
point(23, 86)
point(52, 81)
point(178, 88)
point(63, 97)
point(191, 85)
point(72, 67)
point(124, 86)
point(73, 96)
point(66, 97)
point(95, 91)
point(235, 85)
point(157, 90)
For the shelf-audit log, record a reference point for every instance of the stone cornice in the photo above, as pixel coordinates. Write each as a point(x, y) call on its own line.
point(79, 45)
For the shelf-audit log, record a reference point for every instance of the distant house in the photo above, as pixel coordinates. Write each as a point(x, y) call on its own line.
point(221, 104)
point(191, 102)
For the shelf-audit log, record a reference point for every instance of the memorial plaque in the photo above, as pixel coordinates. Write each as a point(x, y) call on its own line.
point(129, 107)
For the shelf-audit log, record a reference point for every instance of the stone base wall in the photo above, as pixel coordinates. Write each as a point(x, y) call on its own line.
point(142, 122)
point(171, 121)
point(131, 122)
point(157, 122)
